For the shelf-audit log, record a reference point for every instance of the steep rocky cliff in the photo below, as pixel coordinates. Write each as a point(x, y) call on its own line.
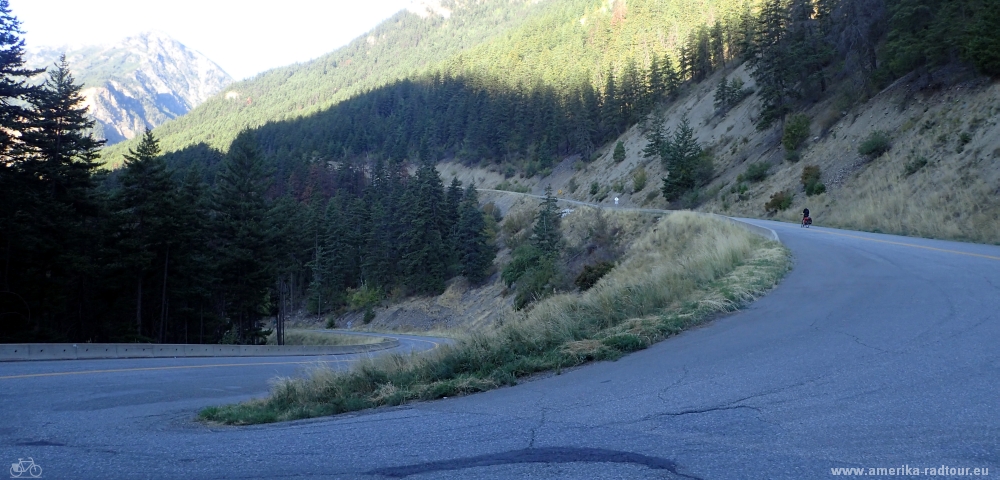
point(140, 82)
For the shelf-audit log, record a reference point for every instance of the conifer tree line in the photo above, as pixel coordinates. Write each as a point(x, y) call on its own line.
point(153, 252)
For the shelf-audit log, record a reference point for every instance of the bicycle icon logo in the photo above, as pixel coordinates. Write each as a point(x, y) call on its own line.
point(25, 466)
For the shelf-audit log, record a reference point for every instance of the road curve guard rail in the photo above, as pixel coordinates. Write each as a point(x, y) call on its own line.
point(78, 351)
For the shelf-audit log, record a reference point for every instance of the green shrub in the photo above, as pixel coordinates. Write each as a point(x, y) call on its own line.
point(369, 315)
point(492, 210)
point(524, 257)
point(796, 132)
point(875, 144)
point(602, 194)
point(536, 282)
point(652, 195)
point(810, 174)
point(572, 185)
point(594, 188)
point(618, 186)
point(591, 274)
point(792, 156)
point(729, 94)
point(756, 172)
point(810, 180)
point(363, 297)
point(639, 179)
point(779, 201)
point(815, 189)
point(914, 165)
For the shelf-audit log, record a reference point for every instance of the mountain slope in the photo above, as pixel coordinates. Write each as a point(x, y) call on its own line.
point(502, 45)
point(399, 47)
point(138, 83)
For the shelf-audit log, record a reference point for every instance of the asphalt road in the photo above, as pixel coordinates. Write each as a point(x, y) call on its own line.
point(875, 351)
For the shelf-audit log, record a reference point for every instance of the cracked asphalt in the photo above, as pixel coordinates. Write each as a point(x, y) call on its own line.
point(875, 351)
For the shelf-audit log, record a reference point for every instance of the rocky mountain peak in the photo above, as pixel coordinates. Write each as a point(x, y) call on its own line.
point(139, 82)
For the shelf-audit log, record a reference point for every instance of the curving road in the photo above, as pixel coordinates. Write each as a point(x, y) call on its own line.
point(876, 351)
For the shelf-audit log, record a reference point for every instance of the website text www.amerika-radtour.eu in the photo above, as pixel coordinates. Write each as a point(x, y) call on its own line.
point(908, 471)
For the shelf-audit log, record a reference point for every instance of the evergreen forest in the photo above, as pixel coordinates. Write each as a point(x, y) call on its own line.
point(315, 185)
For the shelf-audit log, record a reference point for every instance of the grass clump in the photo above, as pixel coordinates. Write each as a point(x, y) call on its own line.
point(914, 166)
point(963, 140)
point(673, 277)
point(875, 144)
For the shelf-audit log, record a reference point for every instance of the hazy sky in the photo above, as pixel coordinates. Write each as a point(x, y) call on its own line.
point(244, 37)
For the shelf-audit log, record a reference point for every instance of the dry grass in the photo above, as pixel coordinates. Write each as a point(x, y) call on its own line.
point(939, 180)
point(307, 337)
point(676, 275)
point(882, 202)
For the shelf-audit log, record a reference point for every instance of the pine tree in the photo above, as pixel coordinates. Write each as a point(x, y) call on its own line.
point(771, 62)
point(611, 108)
point(687, 167)
point(671, 77)
point(60, 135)
point(15, 92)
point(657, 87)
point(717, 44)
point(722, 95)
point(619, 154)
point(192, 261)
point(546, 236)
point(702, 59)
point(243, 241)
point(425, 258)
point(57, 160)
point(474, 249)
point(655, 139)
point(142, 207)
point(452, 201)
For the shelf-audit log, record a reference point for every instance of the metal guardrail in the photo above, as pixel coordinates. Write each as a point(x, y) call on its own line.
point(78, 351)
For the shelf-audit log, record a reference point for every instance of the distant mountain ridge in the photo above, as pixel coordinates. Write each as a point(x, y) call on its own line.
point(140, 82)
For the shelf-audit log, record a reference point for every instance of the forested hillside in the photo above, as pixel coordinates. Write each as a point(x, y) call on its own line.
point(314, 186)
point(402, 46)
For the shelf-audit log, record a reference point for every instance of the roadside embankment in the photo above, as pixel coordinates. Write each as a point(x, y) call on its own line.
point(678, 274)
